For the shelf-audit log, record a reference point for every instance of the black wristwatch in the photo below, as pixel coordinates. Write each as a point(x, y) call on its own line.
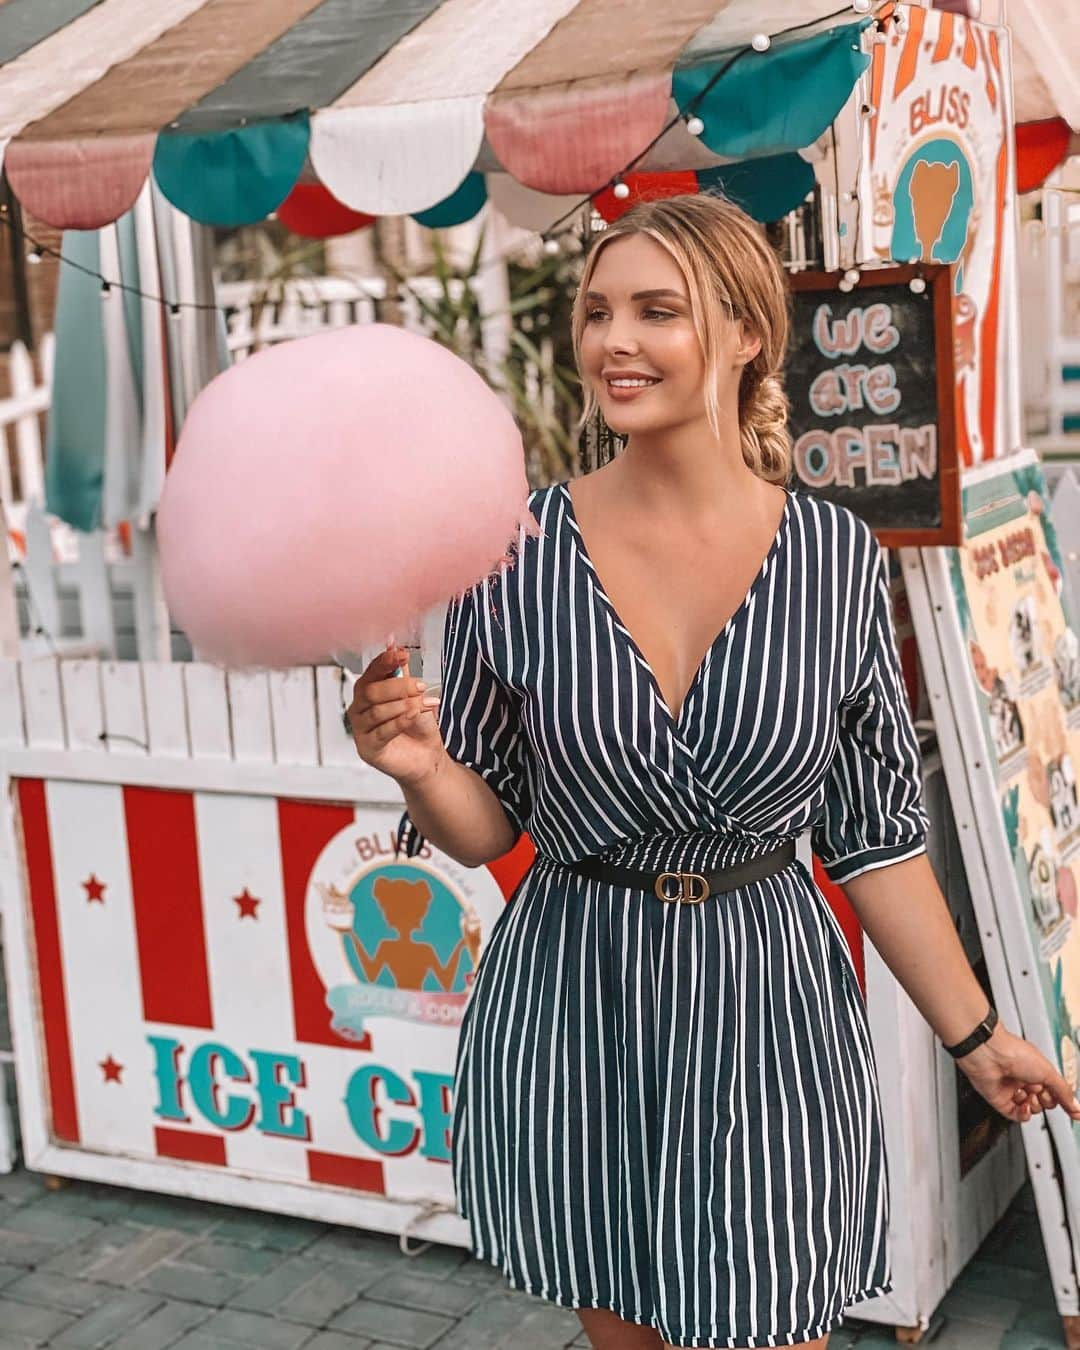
point(982, 1032)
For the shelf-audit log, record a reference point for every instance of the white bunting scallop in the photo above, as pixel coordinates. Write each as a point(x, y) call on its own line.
point(399, 158)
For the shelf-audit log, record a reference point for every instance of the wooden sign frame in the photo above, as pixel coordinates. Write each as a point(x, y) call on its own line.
point(939, 281)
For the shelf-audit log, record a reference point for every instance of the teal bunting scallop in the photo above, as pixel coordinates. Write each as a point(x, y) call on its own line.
point(231, 178)
point(766, 188)
point(775, 101)
point(462, 204)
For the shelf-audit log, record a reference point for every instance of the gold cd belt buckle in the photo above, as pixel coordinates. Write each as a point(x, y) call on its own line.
point(693, 887)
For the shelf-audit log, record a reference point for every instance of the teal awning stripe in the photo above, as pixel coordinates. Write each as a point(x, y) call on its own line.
point(75, 453)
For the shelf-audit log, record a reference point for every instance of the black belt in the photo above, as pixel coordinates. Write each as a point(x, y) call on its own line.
point(689, 887)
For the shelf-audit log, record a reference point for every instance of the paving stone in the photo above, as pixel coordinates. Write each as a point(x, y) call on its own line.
point(1027, 1340)
point(410, 1291)
point(986, 1277)
point(33, 1325)
point(437, 1262)
point(175, 1211)
point(101, 1326)
point(22, 1187)
point(57, 1291)
point(278, 1232)
point(330, 1290)
point(477, 1272)
point(985, 1308)
point(1038, 1320)
point(138, 1258)
point(249, 1329)
point(80, 1256)
point(104, 1203)
point(9, 1273)
point(161, 1328)
point(338, 1340)
point(347, 1244)
point(23, 1249)
point(399, 1326)
point(192, 1284)
point(231, 1256)
point(41, 1221)
point(515, 1320)
point(270, 1292)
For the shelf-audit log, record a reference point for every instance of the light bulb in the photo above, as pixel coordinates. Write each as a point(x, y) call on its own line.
point(695, 126)
point(861, 6)
point(33, 256)
point(917, 284)
point(852, 276)
point(844, 285)
point(621, 190)
point(551, 246)
point(761, 42)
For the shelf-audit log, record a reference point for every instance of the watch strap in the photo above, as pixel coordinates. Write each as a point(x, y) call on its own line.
point(982, 1032)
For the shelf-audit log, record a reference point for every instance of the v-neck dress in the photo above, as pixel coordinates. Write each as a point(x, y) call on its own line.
point(671, 1110)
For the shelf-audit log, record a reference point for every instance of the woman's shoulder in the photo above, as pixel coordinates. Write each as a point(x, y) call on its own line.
point(834, 523)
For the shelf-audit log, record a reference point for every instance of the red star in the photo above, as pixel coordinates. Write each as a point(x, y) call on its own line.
point(247, 903)
point(111, 1069)
point(95, 890)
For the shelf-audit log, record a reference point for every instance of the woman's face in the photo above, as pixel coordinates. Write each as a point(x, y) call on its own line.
point(639, 350)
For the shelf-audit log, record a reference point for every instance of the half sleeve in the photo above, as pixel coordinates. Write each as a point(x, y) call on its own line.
point(479, 718)
point(874, 811)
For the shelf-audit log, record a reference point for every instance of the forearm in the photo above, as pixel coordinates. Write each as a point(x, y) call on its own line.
point(906, 917)
point(456, 811)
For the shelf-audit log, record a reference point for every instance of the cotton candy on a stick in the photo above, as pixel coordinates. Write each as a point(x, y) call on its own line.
point(326, 492)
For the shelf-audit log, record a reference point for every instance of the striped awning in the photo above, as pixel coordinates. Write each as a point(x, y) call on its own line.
point(394, 106)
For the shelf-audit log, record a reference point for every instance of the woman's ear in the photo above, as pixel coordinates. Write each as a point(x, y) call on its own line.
point(749, 344)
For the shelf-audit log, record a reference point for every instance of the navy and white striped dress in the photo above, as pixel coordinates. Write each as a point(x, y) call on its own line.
point(670, 1110)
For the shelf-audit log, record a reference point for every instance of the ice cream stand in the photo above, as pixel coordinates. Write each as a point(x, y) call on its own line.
point(222, 981)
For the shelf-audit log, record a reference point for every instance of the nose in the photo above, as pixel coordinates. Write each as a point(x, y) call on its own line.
point(620, 337)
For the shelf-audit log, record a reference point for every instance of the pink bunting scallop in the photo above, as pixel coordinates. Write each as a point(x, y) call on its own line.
point(573, 138)
point(79, 184)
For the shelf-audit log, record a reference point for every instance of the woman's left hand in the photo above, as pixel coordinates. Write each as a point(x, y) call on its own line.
point(1016, 1079)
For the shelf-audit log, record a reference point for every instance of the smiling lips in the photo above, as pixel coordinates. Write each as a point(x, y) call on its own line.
point(628, 384)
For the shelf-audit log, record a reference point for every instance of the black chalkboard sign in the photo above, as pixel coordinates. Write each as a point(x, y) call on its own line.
point(871, 380)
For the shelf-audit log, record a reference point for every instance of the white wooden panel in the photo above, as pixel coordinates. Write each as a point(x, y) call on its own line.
point(83, 706)
point(249, 709)
point(1066, 501)
point(166, 716)
point(9, 608)
point(95, 600)
point(333, 694)
point(101, 967)
point(125, 717)
point(40, 581)
point(208, 711)
point(42, 704)
point(12, 731)
point(292, 707)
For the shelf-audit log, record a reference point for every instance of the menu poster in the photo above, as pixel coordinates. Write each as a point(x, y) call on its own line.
point(1021, 640)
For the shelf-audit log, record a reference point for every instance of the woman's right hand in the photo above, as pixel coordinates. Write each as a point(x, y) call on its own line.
point(394, 724)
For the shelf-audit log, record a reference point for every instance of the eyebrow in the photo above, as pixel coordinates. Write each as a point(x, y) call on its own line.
point(639, 295)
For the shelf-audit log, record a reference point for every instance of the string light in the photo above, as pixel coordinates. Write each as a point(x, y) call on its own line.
point(33, 256)
point(621, 190)
point(852, 275)
point(917, 284)
point(551, 246)
point(861, 6)
point(761, 42)
point(695, 126)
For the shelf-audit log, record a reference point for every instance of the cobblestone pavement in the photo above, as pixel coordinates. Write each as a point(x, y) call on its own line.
point(91, 1265)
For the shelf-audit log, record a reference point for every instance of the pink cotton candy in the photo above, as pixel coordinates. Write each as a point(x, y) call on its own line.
point(327, 491)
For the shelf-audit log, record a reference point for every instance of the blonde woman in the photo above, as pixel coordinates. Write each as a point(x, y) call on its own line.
point(666, 1114)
